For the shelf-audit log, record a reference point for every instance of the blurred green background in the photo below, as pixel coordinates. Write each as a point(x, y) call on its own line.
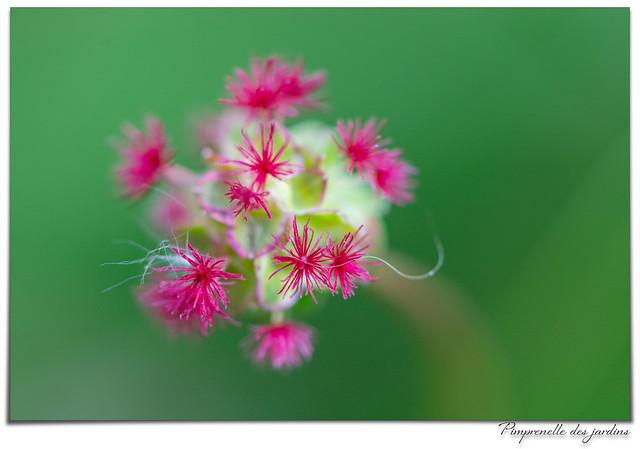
point(518, 120)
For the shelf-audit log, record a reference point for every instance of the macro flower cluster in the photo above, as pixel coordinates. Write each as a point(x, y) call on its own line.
point(282, 216)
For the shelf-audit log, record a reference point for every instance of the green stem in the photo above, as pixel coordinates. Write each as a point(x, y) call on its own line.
point(277, 317)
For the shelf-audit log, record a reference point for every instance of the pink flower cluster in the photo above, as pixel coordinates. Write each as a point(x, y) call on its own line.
point(262, 178)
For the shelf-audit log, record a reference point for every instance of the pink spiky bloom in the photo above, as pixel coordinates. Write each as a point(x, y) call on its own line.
point(145, 155)
point(284, 345)
point(200, 290)
point(391, 176)
point(305, 258)
point(246, 199)
point(272, 88)
point(265, 163)
point(359, 142)
point(345, 263)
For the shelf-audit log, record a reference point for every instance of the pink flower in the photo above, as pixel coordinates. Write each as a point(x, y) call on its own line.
point(345, 264)
point(359, 143)
point(273, 89)
point(144, 155)
point(246, 199)
point(199, 291)
point(265, 163)
point(305, 260)
point(391, 176)
point(284, 345)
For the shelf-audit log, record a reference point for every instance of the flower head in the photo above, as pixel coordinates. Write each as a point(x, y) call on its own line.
point(259, 175)
point(145, 155)
point(284, 345)
point(265, 163)
point(345, 264)
point(305, 259)
point(200, 290)
point(246, 199)
point(359, 142)
point(273, 88)
point(391, 176)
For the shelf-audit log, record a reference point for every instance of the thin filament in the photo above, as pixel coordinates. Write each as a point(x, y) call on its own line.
point(417, 277)
point(108, 289)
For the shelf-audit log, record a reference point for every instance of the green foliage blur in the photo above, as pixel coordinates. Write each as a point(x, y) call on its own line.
point(518, 120)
